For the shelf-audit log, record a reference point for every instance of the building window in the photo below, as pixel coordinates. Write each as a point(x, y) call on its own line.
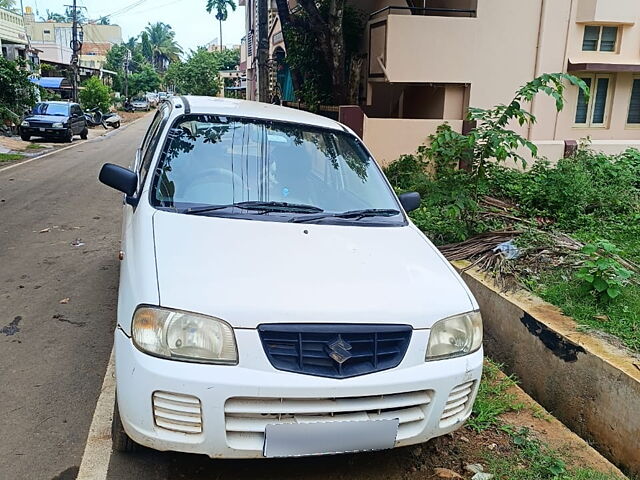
point(594, 111)
point(634, 104)
point(597, 38)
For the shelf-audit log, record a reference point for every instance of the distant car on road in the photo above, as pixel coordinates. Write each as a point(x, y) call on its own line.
point(275, 299)
point(61, 120)
point(141, 104)
point(153, 99)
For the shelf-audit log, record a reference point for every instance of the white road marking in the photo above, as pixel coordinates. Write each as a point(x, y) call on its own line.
point(76, 144)
point(97, 451)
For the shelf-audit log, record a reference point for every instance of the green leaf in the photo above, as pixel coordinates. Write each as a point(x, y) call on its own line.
point(600, 284)
point(613, 292)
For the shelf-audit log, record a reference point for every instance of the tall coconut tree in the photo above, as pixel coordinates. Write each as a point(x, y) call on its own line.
point(164, 48)
point(222, 11)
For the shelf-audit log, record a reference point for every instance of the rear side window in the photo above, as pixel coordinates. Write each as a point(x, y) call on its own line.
point(150, 143)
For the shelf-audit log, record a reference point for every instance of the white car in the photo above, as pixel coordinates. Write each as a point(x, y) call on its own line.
point(275, 300)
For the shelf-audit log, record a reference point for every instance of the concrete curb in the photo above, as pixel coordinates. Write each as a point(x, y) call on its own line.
point(590, 385)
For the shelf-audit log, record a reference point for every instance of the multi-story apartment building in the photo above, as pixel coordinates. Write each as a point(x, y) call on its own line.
point(428, 61)
point(13, 38)
point(54, 39)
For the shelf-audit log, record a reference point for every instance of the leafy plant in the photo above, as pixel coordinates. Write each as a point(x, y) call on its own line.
point(601, 271)
point(17, 93)
point(95, 94)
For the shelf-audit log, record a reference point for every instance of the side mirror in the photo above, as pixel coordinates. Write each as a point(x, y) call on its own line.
point(120, 178)
point(410, 201)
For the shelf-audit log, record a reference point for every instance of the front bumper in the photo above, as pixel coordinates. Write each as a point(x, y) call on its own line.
point(45, 131)
point(236, 402)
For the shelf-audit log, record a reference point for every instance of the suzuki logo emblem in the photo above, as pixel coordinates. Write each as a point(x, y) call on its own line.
point(338, 349)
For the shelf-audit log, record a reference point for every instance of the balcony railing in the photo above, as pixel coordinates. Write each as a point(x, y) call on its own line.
point(428, 11)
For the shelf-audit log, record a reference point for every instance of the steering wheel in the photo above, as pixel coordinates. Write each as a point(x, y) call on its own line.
point(205, 175)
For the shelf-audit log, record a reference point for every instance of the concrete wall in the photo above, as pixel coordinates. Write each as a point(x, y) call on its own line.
point(387, 138)
point(12, 28)
point(606, 11)
point(591, 386)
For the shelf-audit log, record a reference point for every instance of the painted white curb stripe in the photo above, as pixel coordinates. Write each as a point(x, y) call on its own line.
point(97, 452)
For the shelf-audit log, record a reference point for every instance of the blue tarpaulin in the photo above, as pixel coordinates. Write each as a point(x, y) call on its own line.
point(49, 82)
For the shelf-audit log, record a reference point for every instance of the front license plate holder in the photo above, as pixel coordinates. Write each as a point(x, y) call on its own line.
point(41, 129)
point(326, 438)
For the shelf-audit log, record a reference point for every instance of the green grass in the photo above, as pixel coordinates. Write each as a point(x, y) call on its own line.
point(35, 146)
point(527, 458)
point(9, 157)
point(619, 317)
point(493, 399)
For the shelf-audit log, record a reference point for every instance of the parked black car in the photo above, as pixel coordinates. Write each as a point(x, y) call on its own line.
point(60, 120)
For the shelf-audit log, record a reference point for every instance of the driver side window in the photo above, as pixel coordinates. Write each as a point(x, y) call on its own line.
point(149, 145)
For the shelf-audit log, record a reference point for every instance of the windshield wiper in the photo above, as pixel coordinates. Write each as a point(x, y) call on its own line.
point(351, 214)
point(256, 205)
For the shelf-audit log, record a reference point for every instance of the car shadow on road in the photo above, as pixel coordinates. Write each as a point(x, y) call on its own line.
point(147, 464)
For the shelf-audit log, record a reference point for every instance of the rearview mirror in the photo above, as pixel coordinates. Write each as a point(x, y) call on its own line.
point(120, 178)
point(410, 201)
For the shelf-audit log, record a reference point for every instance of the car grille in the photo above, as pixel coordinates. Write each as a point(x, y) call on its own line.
point(177, 412)
point(247, 418)
point(40, 124)
point(457, 405)
point(336, 351)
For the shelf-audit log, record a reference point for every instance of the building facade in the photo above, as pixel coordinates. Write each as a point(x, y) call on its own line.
point(54, 40)
point(492, 47)
point(13, 37)
point(428, 61)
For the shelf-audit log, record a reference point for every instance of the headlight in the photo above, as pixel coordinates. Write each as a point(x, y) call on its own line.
point(57, 125)
point(183, 336)
point(24, 123)
point(455, 336)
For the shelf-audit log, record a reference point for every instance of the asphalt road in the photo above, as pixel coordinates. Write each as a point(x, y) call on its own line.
point(59, 239)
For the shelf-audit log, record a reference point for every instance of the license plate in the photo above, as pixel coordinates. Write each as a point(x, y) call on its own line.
point(324, 438)
point(41, 129)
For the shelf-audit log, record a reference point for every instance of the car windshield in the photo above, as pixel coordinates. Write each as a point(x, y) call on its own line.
point(51, 109)
point(301, 170)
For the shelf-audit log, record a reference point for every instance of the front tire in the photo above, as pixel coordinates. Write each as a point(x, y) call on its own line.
point(84, 133)
point(26, 137)
point(116, 125)
point(120, 440)
point(69, 136)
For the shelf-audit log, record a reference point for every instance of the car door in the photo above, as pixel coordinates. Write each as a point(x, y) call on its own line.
point(74, 119)
point(80, 120)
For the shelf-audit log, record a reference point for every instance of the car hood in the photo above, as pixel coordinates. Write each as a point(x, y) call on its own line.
point(46, 118)
point(250, 272)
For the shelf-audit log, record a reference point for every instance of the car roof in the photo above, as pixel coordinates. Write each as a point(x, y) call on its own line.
point(253, 109)
point(58, 102)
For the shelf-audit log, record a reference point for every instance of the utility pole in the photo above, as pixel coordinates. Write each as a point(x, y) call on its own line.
point(76, 46)
point(127, 58)
point(263, 51)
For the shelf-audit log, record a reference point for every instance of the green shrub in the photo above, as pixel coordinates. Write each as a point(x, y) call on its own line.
point(95, 94)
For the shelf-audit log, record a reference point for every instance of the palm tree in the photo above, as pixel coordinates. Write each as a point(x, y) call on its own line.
point(220, 6)
point(164, 48)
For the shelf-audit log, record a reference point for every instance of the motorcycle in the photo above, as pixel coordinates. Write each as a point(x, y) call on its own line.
point(95, 117)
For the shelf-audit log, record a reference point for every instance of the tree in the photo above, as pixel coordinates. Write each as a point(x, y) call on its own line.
point(54, 17)
point(198, 75)
point(147, 80)
point(95, 94)
point(7, 4)
point(104, 21)
point(325, 30)
point(222, 12)
point(164, 47)
point(145, 47)
point(227, 59)
point(17, 93)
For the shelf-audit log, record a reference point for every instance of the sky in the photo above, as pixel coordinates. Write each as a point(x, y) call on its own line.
point(188, 18)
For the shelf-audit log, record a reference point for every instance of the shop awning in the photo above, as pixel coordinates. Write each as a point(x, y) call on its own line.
point(51, 82)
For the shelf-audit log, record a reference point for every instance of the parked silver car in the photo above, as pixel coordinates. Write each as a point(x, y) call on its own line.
point(141, 104)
